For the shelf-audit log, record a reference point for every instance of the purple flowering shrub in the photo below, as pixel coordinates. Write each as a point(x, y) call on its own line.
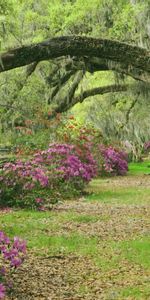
point(12, 255)
point(67, 170)
point(113, 161)
point(67, 162)
point(17, 180)
point(58, 172)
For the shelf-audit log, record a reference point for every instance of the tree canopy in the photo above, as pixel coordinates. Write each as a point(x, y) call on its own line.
point(59, 53)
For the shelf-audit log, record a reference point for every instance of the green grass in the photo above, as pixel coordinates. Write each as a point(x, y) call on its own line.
point(137, 251)
point(121, 196)
point(80, 218)
point(135, 292)
point(28, 224)
point(139, 168)
point(40, 229)
point(51, 233)
point(74, 243)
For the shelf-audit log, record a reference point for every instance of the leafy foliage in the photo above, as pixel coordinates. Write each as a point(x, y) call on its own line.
point(24, 22)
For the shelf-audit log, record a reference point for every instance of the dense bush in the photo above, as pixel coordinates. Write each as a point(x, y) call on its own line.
point(62, 170)
point(109, 159)
point(113, 161)
point(17, 180)
point(83, 136)
point(58, 172)
point(67, 162)
point(12, 255)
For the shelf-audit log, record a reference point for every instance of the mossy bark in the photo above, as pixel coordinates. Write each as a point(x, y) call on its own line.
point(128, 55)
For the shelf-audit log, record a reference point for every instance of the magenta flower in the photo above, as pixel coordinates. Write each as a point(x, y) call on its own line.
point(16, 262)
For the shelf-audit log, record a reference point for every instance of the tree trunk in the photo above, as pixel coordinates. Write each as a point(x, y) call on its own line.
point(100, 91)
point(128, 55)
point(64, 105)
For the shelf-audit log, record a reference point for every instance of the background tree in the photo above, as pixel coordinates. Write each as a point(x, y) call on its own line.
point(53, 84)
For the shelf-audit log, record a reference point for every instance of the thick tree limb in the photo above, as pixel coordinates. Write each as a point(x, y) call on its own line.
point(63, 79)
point(65, 103)
point(31, 68)
point(95, 64)
point(128, 55)
point(60, 84)
point(100, 91)
point(52, 74)
point(63, 106)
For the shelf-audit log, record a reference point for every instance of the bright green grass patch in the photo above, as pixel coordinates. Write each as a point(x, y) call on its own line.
point(121, 196)
point(131, 291)
point(105, 258)
point(137, 251)
point(40, 230)
point(74, 243)
point(28, 224)
point(88, 218)
point(80, 218)
point(139, 168)
point(136, 292)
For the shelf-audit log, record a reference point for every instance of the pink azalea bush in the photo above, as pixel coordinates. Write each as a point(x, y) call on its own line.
point(18, 179)
point(67, 162)
point(59, 171)
point(110, 160)
point(113, 161)
point(12, 255)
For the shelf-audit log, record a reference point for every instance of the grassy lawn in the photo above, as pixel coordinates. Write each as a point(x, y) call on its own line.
point(109, 227)
point(139, 168)
point(121, 196)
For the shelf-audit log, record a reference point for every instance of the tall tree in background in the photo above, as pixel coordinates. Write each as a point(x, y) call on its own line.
point(61, 82)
